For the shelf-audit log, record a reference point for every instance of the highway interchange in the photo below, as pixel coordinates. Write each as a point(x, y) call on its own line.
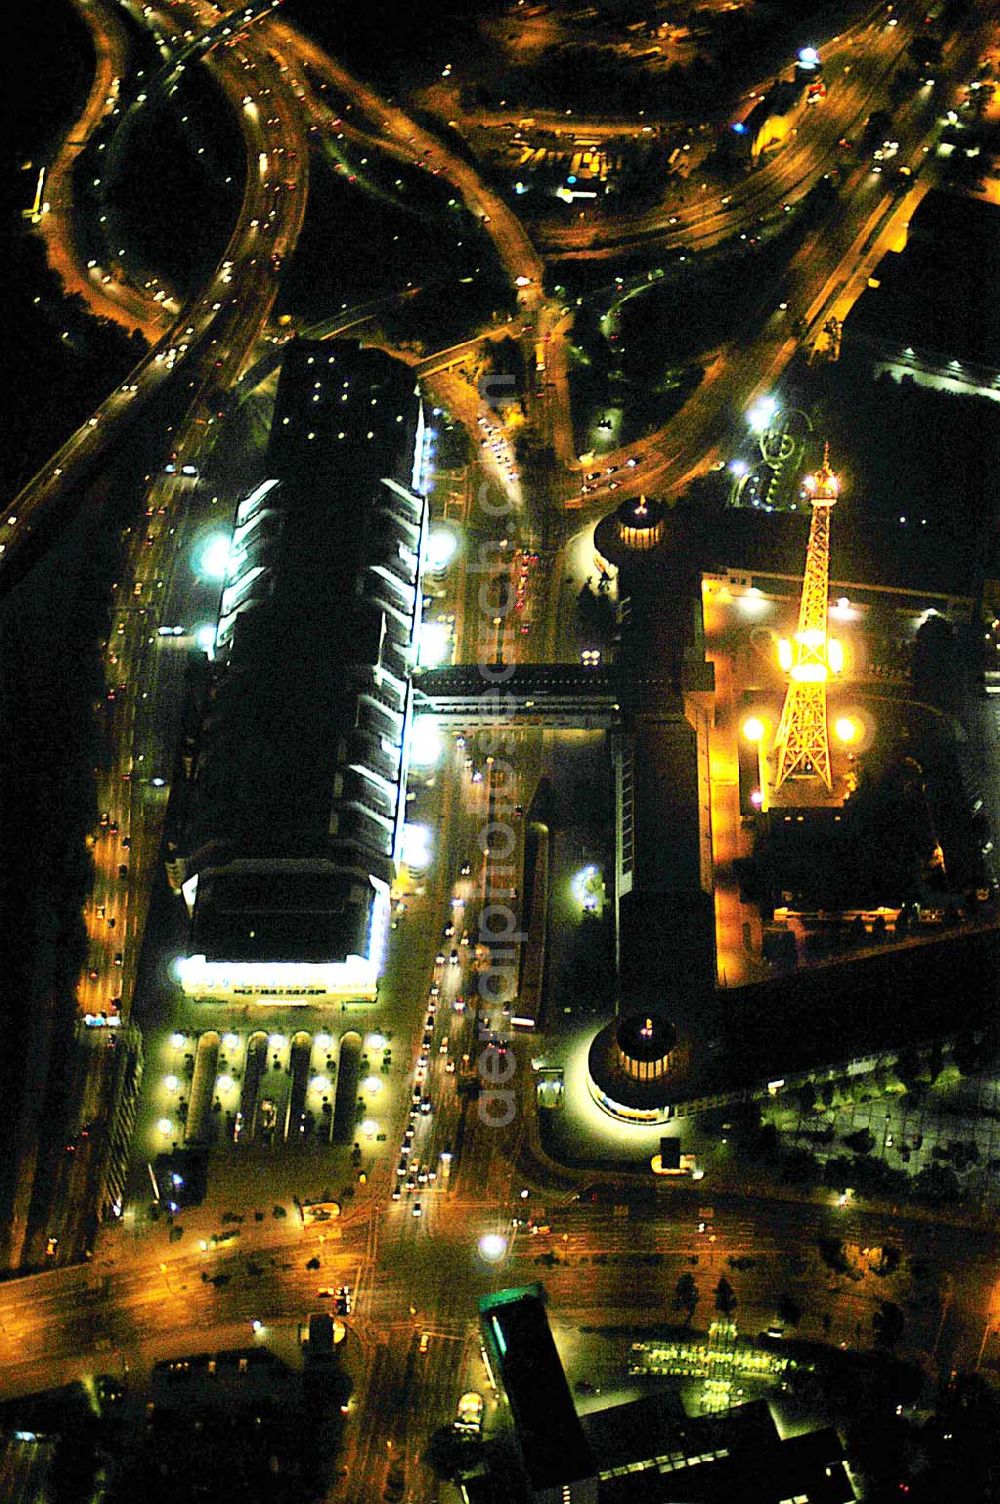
point(419, 1274)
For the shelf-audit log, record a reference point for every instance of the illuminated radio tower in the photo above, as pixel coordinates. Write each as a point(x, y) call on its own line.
point(802, 744)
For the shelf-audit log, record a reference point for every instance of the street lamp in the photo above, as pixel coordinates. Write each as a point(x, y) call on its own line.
point(492, 1247)
point(212, 557)
point(760, 415)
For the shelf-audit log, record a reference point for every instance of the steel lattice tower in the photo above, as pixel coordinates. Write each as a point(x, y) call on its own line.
point(802, 745)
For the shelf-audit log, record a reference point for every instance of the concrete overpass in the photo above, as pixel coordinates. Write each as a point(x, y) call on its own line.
point(523, 694)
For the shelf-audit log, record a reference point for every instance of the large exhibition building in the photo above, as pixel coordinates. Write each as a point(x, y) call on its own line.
point(294, 824)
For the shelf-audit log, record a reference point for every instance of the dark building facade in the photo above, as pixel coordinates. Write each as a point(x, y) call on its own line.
point(930, 311)
point(295, 828)
point(523, 1359)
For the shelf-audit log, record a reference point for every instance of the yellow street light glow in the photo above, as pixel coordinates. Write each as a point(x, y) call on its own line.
point(835, 655)
point(322, 1041)
point(785, 654)
point(809, 673)
point(369, 1127)
point(165, 1126)
point(170, 1082)
point(846, 729)
point(224, 1083)
point(372, 1085)
point(320, 1083)
point(753, 729)
point(231, 1041)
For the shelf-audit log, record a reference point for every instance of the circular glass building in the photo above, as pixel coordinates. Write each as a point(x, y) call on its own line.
point(632, 1065)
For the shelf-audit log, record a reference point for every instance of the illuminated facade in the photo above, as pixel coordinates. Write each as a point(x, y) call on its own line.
point(802, 744)
point(645, 1046)
point(296, 818)
point(773, 118)
point(640, 523)
point(630, 1066)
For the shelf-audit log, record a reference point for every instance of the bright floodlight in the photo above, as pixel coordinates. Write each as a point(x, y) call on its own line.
point(375, 1041)
point(369, 1127)
point(231, 1041)
point(170, 1082)
point(322, 1041)
point(416, 846)
point(212, 557)
point(739, 468)
point(177, 1040)
point(166, 1127)
point(205, 638)
point(435, 643)
point(809, 57)
point(320, 1083)
point(224, 1083)
point(846, 729)
point(492, 1247)
point(277, 1041)
point(753, 728)
point(441, 548)
point(425, 742)
point(587, 885)
point(372, 1084)
point(760, 415)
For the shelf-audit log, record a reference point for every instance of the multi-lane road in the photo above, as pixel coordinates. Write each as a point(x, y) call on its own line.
point(417, 1276)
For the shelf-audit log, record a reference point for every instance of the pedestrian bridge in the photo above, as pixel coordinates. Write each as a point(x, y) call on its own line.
point(524, 694)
